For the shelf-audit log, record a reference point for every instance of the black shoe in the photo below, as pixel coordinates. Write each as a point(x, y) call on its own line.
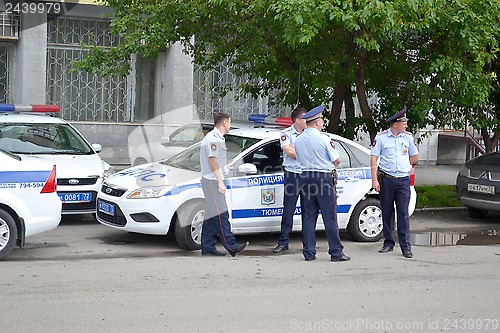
point(240, 248)
point(280, 248)
point(310, 258)
point(407, 254)
point(343, 258)
point(216, 253)
point(385, 249)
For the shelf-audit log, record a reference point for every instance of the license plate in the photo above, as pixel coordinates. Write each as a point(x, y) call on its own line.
point(481, 188)
point(106, 208)
point(75, 197)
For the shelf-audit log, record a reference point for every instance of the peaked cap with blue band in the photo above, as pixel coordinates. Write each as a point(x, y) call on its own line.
point(314, 113)
point(398, 116)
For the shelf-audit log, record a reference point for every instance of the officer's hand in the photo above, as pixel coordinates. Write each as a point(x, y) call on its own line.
point(222, 188)
point(375, 185)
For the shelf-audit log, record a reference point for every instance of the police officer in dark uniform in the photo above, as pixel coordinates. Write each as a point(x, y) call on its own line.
point(291, 176)
point(214, 170)
point(318, 157)
point(397, 152)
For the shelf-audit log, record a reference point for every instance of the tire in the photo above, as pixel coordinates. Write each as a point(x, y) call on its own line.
point(477, 213)
point(365, 224)
point(189, 225)
point(139, 161)
point(8, 233)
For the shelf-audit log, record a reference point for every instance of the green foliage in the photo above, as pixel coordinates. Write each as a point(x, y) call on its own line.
point(436, 196)
point(437, 57)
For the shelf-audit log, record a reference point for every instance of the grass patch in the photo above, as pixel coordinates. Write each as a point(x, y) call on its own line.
point(435, 196)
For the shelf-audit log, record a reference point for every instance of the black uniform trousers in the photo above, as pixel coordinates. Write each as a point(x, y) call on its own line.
point(291, 181)
point(395, 190)
point(216, 219)
point(319, 192)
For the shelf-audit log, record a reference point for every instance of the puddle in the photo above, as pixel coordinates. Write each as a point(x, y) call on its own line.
point(448, 238)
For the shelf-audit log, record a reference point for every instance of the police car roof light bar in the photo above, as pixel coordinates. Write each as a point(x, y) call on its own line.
point(270, 120)
point(43, 108)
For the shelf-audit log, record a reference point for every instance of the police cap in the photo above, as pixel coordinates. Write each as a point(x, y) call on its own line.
point(398, 116)
point(314, 113)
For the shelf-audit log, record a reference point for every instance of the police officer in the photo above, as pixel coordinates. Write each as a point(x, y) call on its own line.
point(214, 170)
point(397, 152)
point(318, 157)
point(291, 176)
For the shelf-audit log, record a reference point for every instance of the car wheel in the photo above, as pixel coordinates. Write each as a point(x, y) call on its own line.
point(188, 226)
point(477, 213)
point(8, 233)
point(365, 224)
point(139, 161)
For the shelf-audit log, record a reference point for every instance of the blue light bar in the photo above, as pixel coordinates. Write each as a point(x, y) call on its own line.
point(7, 107)
point(257, 118)
point(28, 108)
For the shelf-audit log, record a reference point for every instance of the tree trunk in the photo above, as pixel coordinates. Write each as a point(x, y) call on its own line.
point(490, 143)
point(360, 91)
point(349, 131)
point(338, 99)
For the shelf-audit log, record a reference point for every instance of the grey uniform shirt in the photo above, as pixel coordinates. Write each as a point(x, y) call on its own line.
point(213, 145)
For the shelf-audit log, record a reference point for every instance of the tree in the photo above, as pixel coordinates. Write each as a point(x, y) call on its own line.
point(429, 55)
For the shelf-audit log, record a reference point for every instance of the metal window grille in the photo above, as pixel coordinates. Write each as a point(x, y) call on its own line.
point(217, 91)
point(83, 96)
point(9, 26)
point(4, 74)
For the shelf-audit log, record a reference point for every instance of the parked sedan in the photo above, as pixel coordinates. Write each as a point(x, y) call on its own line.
point(158, 197)
point(183, 137)
point(28, 201)
point(478, 185)
point(80, 169)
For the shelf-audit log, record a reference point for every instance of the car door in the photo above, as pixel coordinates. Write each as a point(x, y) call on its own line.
point(352, 184)
point(256, 201)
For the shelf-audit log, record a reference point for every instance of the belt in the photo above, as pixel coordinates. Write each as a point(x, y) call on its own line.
point(387, 175)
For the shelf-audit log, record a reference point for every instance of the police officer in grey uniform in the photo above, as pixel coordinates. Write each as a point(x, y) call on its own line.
point(318, 157)
point(214, 170)
point(397, 151)
point(291, 176)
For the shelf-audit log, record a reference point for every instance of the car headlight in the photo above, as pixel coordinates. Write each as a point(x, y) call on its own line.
point(464, 171)
point(108, 170)
point(149, 192)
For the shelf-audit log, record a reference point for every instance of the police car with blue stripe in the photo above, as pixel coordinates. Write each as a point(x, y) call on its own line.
point(29, 204)
point(29, 130)
point(166, 196)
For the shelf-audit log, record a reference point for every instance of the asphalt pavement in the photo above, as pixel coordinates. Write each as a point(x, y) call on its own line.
point(436, 174)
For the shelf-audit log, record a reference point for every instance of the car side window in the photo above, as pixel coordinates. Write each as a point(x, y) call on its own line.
point(268, 158)
point(185, 136)
point(345, 160)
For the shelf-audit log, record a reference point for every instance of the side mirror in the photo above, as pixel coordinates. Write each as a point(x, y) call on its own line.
point(248, 169)
point(165, 140)
point(97, 147)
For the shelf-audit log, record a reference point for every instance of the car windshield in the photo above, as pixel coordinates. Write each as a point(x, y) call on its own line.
point(190, 158)
point(42, 139)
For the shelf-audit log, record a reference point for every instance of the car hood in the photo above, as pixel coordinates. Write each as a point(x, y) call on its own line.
point(77, 166)
point(491, 161)
point(152, 174)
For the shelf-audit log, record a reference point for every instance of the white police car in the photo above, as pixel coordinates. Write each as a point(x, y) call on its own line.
point(158, 197)
point(27, 130)
point(29, 204)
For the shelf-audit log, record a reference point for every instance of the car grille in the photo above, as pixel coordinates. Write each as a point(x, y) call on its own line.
point(476, 173)
point(81, 206)
point(81, 181)
point(115, 192)
point(117, 220)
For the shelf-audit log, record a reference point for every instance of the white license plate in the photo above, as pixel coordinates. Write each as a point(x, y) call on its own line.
point(75, 197)
point(106, 208)
point(481, 188)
